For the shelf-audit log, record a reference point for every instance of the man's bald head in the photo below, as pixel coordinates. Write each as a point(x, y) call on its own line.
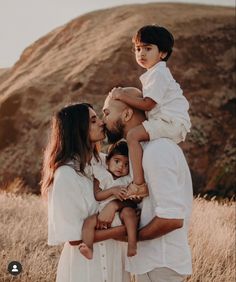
point(133, 91)
point(120, 105)
point(120, 117)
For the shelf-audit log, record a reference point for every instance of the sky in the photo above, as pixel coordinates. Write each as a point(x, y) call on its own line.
point(24, 21)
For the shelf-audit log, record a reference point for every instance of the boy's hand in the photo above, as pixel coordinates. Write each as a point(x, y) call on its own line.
point(119, 192)
point(116, 93)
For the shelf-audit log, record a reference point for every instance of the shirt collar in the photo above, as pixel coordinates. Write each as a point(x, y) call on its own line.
point(152, 69)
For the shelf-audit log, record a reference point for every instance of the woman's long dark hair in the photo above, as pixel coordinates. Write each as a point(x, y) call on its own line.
point(69, 141)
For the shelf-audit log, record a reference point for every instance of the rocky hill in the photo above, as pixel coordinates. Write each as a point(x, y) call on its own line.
point(84, 59)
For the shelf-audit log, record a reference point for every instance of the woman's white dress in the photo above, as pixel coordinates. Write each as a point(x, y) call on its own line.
point(71, 200)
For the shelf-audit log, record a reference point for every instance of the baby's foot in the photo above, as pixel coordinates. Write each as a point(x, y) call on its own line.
point(86, 251)
point(132, 249)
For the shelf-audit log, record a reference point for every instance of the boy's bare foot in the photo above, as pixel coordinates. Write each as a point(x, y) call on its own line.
point(85, 251)
point(132, 249)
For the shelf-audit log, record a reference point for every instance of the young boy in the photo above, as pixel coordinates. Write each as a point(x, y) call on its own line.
point(166, 107)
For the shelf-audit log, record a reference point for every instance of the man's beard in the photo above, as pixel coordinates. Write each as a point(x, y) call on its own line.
point(115, 134)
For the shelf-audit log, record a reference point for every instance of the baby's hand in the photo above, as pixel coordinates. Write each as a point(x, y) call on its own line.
point(119, 192)
point(116, 93)
point(106, 216)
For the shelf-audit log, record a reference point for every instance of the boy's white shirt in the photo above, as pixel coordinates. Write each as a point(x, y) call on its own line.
point(159, 85)
point(106, 180)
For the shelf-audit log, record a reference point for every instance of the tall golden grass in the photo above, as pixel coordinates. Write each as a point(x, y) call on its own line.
point(23, 237)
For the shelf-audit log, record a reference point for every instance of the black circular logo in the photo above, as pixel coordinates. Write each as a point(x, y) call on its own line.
point(14, 268)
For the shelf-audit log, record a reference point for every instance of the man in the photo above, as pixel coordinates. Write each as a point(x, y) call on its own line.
point(163, 253)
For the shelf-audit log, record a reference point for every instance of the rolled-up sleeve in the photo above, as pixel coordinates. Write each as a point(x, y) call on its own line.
point(164, 188)
point(66, 207)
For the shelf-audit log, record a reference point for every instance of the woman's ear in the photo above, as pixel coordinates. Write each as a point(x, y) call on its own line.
point(127, 114)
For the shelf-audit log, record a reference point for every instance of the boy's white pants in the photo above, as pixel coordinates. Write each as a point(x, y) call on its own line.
point(171, 128)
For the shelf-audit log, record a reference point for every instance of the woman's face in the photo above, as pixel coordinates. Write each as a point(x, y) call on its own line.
point(96, 127)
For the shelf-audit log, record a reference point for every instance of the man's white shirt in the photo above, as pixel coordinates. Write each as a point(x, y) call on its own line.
point(170, 196)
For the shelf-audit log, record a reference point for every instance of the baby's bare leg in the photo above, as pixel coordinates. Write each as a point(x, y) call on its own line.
point(88, 230)
point(134, 136)
point(130, 219)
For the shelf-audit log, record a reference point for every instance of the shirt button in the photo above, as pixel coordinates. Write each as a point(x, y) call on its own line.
point(101, 244)
point(104, 267)
point(103, 256)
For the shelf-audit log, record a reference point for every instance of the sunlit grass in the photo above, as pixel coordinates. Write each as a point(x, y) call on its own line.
point(23, 237)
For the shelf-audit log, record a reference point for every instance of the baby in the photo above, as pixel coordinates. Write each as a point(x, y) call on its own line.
point(163, 100)
point(109, 185)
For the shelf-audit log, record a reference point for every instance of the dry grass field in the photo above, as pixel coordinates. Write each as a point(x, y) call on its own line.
point(23, 237)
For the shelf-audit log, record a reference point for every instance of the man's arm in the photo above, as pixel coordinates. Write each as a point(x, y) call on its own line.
point(101, 235)
point(111, 233)
point(107, 215)
point(158, 227)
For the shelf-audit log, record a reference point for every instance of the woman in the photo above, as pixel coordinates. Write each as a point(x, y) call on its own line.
point(67, 181)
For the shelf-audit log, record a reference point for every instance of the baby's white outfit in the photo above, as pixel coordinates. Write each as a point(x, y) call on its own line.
point(106, 181)
point(169, 118)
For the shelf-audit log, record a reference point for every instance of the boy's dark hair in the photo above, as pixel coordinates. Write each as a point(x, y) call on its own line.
point(118, 148)
point(157, 35)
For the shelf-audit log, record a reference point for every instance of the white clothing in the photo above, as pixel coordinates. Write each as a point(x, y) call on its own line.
point(159, 85)
point(158, 128)
point(170, 196)
point(70, 201)
point(161, 274)
point(107, 181)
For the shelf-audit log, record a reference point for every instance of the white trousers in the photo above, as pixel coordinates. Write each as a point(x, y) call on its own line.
point(172, 129)
point(161, 274)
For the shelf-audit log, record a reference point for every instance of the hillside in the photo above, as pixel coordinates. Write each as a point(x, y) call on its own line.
point(84, 59)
